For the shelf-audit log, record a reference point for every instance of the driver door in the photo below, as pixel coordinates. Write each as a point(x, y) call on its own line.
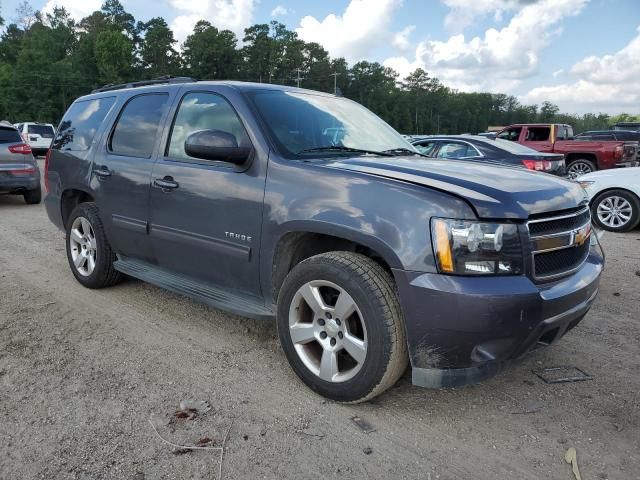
point(205, 216)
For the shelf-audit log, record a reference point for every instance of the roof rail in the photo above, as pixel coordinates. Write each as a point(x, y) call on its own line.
point(144, 83)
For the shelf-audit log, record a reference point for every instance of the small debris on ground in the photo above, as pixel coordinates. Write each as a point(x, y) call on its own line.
point(190, 409)
point(637, 273)
point(365, 426)
point(571, 457)
point(616, 294)
point(529, 407)
point(565, 374)
point(367, 450)
point(312, 433)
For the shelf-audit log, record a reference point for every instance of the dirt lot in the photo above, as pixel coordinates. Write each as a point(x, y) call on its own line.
point(82, 373)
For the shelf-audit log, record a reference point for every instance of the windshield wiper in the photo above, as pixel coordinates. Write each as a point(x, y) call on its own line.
point(340, 148)
point(403, 151)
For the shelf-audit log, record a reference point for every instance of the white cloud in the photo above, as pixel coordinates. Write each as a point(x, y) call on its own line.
point(234, 15)
point(464, 12)
point(279, 11)
point(557, 73)
point(78, 9)
point(500, 59)
point(356, 33)
point(605, 84)
point(401, 39)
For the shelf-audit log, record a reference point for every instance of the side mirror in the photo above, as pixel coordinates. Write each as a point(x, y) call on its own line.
point(216, 145)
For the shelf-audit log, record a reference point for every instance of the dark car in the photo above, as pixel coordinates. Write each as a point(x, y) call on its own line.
point(482, 149)
point(280, 203)
point(635, 126)
point(19, 173)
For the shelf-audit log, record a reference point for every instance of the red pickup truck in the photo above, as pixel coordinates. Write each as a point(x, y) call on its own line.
point(580, 156)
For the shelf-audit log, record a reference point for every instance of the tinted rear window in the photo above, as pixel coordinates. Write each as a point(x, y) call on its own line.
point(81, 122)
point(137, 127)
point(9, 135)
point(45, 131)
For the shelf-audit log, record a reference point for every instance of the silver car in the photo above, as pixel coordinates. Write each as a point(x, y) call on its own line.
point(19, 173)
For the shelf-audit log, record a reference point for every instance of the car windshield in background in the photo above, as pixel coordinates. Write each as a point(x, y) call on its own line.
point(316, 126)
point(45, 131)
point(513, 147)
point(9, 135)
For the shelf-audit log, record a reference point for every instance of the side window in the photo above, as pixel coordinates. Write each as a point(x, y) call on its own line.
point(426, 148)
point(456, 150)
point(512, 134)
point(603, 137)
point(136, 129)
point(203, 111)
point(81, 122)
point(538, 134)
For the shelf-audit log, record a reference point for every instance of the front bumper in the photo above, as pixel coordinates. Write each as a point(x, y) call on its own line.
point(463, 330)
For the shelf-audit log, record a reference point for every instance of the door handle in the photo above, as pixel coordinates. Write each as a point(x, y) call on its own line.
point(166, 183)
point(102, 172)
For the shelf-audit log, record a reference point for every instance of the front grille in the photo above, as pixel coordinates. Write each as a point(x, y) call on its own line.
point(559, 225)
point(557, 262)
point(559, 244)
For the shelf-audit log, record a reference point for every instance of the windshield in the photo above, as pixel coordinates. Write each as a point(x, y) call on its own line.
point(513, 147)
point(302, 123)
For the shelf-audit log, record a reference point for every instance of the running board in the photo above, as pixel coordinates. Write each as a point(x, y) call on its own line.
point(231, 302)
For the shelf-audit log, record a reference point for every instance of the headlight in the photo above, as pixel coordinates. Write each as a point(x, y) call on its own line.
point(465, 247)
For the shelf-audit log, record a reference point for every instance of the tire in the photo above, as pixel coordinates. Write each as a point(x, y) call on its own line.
point(33, 197)
point(580, 166)
point(86, 238)
point(625, 206)
point(374, 326)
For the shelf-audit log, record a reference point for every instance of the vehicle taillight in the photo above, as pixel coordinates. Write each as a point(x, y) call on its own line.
point(617, 154)
point(540, 165)
point(21, 148)
point(46, 171)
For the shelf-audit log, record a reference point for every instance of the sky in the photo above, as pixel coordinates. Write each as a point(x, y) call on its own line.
point(583, 55)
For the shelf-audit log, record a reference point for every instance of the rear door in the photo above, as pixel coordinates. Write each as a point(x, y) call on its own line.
point(538, 138)
point(122, 168)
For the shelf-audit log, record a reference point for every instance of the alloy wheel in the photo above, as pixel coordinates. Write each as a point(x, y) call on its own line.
point(614, 211)
point(579, 168)
point(328, 331)
point(82, 243)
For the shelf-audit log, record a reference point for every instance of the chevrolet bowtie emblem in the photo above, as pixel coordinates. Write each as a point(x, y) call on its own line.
point(581, 235)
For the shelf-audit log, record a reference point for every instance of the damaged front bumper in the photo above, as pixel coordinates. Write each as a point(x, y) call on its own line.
point(462, 330)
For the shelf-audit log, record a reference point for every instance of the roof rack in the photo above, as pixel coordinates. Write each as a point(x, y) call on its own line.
point(144, 83)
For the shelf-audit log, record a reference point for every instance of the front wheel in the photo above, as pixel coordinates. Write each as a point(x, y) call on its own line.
point(616, 210)
point(341, 327)
point(580, 167)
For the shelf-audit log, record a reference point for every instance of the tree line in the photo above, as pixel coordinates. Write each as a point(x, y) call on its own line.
point(48, 60)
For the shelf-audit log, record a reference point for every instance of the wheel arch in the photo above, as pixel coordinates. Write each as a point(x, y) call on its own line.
point(70, 199)
point(611, 188)
point(295, 245)
point(573, 156)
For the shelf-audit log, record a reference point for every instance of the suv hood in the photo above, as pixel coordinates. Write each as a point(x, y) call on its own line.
point(493, 191)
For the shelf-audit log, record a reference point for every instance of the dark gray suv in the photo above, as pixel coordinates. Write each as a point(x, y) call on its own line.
point(276, 202)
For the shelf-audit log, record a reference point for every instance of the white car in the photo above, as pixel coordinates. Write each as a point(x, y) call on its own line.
point(615, 198)
point(37, 135)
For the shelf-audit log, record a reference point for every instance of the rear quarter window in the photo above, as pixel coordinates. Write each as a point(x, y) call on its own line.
point(81, 122)
point(9, 135)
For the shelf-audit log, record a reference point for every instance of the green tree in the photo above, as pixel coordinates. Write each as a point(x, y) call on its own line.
point(113, 53)
point(157, 51)
point(209, 53)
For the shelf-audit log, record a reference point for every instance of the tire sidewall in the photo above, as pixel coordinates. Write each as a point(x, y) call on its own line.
point(632, 199)
point(378, 340)
point(582, 160)
point(93, 280)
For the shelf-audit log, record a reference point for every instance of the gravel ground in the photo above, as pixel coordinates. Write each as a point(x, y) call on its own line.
point(85, 376)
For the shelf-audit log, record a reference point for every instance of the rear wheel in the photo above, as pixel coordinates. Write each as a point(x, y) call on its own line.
point(579, 167)
point(33, 197)
point(341, 327)
point(616, 210)
point(88, 251)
